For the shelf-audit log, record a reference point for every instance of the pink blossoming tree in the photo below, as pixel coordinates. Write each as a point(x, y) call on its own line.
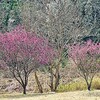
point(86, 56)
point(24, 52)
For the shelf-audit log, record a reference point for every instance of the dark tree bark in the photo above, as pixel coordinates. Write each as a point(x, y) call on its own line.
point(89, 87)
point(24, 89)
point(51, 79)
point(57, 78)
point(54, 79)
point(88, 79)
point(21, 75)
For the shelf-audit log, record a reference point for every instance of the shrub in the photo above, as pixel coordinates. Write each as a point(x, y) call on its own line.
point(79, 85)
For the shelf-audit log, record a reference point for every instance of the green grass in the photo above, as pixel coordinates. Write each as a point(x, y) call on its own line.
point(79, 85)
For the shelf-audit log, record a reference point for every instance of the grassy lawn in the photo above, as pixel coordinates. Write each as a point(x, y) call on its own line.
point(77, 95)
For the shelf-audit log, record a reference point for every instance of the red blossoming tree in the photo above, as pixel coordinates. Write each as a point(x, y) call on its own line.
point(86, 56)
point(23, 52)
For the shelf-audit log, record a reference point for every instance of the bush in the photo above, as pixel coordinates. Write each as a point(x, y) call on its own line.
point(73, 86)
point(78, 85)
point(96, 84)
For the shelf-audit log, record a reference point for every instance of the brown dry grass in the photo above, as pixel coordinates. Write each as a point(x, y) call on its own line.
point(77, 95)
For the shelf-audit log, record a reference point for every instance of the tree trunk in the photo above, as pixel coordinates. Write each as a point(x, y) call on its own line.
point(51, 80)
point(38, 83)
point(89, 87)
point(57, 81)
point(89, 84)
point(57, 78)
point(54, 84)
point(24, 89)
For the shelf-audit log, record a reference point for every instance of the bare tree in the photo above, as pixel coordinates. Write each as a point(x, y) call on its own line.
point(59, 21)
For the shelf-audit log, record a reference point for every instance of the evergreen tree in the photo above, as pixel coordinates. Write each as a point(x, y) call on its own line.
point(10, 14)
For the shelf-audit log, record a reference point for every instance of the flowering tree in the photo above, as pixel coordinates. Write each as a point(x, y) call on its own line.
point(23, 52)
point(86, 56)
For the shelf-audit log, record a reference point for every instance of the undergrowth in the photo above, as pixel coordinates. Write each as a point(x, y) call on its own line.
point(79, 85)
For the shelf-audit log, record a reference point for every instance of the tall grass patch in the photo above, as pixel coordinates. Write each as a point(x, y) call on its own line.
point(79, 86)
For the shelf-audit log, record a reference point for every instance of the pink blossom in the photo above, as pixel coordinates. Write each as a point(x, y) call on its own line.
point(86, 54)
point(19, 43)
